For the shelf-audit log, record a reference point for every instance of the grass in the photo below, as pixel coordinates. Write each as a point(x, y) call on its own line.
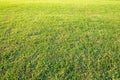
point(60, 40)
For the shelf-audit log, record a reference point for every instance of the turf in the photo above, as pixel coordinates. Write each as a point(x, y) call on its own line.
point(60, 40)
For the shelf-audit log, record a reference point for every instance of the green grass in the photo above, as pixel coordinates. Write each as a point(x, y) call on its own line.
point(60, 39)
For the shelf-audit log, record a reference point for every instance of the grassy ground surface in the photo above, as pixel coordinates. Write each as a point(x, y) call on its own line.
point(60, 39)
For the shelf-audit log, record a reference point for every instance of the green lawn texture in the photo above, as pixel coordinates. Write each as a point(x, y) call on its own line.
point(59, 39)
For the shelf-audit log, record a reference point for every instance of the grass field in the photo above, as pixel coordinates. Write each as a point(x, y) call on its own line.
point(60, 39)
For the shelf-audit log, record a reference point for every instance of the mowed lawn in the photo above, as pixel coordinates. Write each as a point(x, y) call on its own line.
point(59, 40)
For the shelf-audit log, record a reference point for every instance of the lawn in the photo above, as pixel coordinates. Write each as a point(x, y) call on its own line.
point(59, 39)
